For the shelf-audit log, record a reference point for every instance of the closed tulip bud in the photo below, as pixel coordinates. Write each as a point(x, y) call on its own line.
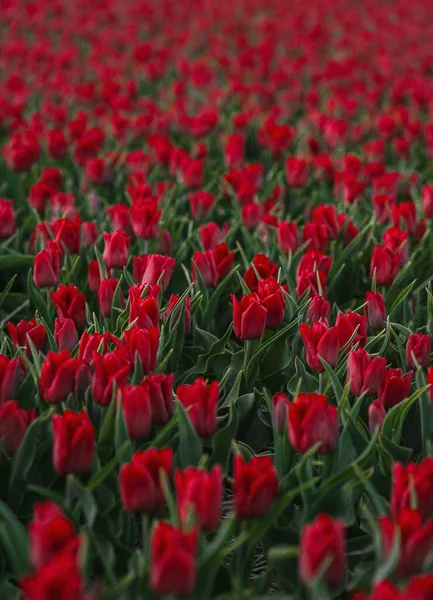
point(319, 309)
point(296, 172)
point(376, 416)
point(144, 313)
point(152, 268)
point(317, 236)
point(12, 373)
point(288, 237)
point(173, 570)
point(351, 323)
point(328, 558)
point(418, 350)
point(46, 268)
point(8, 223)
point(61, 574)
point(264, 267)
point(249, 317)
point(89, 234)
point(250, 215)
point(58, 374)
point(365, 374)
point(110, 370)
point(416, 540)
point(116, 251)
point(106, 293)
point(145, 343)
point(201, 204)
point(65, 334)
point(73, 442)
point(140, 480)
point(90, 343)
point(68, 232)
point(50, 533)
point(234, 150)
point(176, 308)
point(427, 201)
point(200, 492)
point(385, 264)
point(159, 388)
point(25, 331)
point(255, 486)
point(396, 241)
point(310, 281)
point(70, 304)
point(320, 341)
point(394, 387)
point(94, 276)
point(223, 260)
point(145, 217)
point(272, 298)
point(201, 401)
point(136, 410)
point(280, 404)
point(310, 421)
point(210, 235)
point(204, 264)
point(430, 382)
point(375, 310)
point(14, 422)
point(409, 481)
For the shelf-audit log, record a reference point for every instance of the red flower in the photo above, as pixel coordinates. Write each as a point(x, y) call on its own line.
point(57, 146)
point(418, 350)
point(116, 251)
point(323, 546)
point(280, 405)
point(264, 267)
point(412, 480)
point(385, 264)
point(73, 442)
point(376, 416)
point(394, 387)
point(65, 334)
point(317, 235)
point(365, 374)
point(249, 317)
point(145, 343)
point(415, 540)
point(106, 293)
point(349, 322)
point(201, 204)
point(203, 263)
point(327, 216)
point(173, 560)
point(159, 388)
point(8, 223)
point(70, 304)
point(287, 236)
point(427, 201)
point(110, 369)
point(50, 534)
point(375, 310)
point(68, 234)
point(319, 309)
point(296, 172)
point(312, 420)
point(250, 215)
point(14, 422)
point(89, 234)
point(210, 235)
point(59, 579)
point(136, 410)
point(46, 267)
point(223, 260)
point(255, 486)
point(202, 402)
point(174, 306)
point(58, 376)
point(272, 298)
point(11, 375)
point(200, 492)
point(151, 268)
point(321, 341)
point(25, 331)
point(145, 218)
point(140, 480)
point(234, 150)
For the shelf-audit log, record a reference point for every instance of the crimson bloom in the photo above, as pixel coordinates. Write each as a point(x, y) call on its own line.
point(73, 442)
point(201, 401)
point(310, 421)
point(255, 486)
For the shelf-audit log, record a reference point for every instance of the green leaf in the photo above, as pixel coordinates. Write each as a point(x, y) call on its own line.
point(106, 433)
point(190, 445)
point(218, 348)
point(14, 262)
point(13, 538)
point(336, 385)
point(222, 441)
point(84, 497)
point(121, 435)
point(103, 473)
point(401, 297)
point(37, 300)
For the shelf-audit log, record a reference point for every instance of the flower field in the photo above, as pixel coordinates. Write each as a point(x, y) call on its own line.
point(216, 300)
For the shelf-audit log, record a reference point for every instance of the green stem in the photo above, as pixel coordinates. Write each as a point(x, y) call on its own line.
point(247, 354)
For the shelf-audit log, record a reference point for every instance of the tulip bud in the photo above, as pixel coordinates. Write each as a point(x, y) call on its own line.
point(173, 305)
point(319, 309)
point(376, 416)
point(255, 486)
point(250, 215)
point(427, 201)
point(418, 350)
point(145, 217)
point(296, 172)
point(145, 343)
point(89, 234)
point(249, 317)
point(202, 492)
point(116, 251)
point(409, 481)
point(320, 341)
point(106, 293)
point(375, 310)
point(312, 420)
point(264, 267)
point(151, 268)
point(140, 480)
point(58, 374)
point(173, 570)
point(70, 304)
point(136, 410)
point(201, 204)
point(46, 268)
point(394, 387)
point(272, 298)
point(385, 264)
point(204, 264)
point(50, 533)
point(110, 370)
point(160, 391)
point(94, 276)
point(202, 402)
point(347, 324)
point(288, 237)
point(73, 442)
point(8, 223)
point(364, 373)
point(14, 422)
point(12, 373)
point(25, 331)
point(280, 404)
point(327, 558)
point(65, 334)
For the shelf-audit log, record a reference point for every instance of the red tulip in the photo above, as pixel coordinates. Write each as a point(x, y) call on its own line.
point(376, 416)
point(272, 298)
point(145, 343)
point(11, 375)
point(151, 268)
point(255, 486)
point(25, 331)
point(201, 204)
point(58, 376)
point(202, 402)
point(46, 268)
point(264, 267)
point(375, 310)
point(310, 421)
point(136, 410)
point(287, 236)
point(106, 291)
point(73, 442)
point(145, 218)
point(409, 481)
point(116, 251)
point(50, 534)
point(200, 492)
point(8, 223)
point(249, 317)
point(394, 387)
point(319, 309)
point(173, 305)
point(70, 304)
point(365, 374)
point(60, 575)
point(418, 350)
point(321, 341)
point(110, 370)
point(159, 388)
point(14, 422)
point(280, 405)
point(296, 172)
point(385, 264)
point(65, 334)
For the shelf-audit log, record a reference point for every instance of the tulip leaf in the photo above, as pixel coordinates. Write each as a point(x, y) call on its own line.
point(121, 435)
point(211, 306)
point(399, 453)
point(14, 262)
point(13, 538)
point(426, 410)
point(190, 445)
point(84, 497)
point(37, 300)
point(336, 385)
point(222, 441)
point(106, 432)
